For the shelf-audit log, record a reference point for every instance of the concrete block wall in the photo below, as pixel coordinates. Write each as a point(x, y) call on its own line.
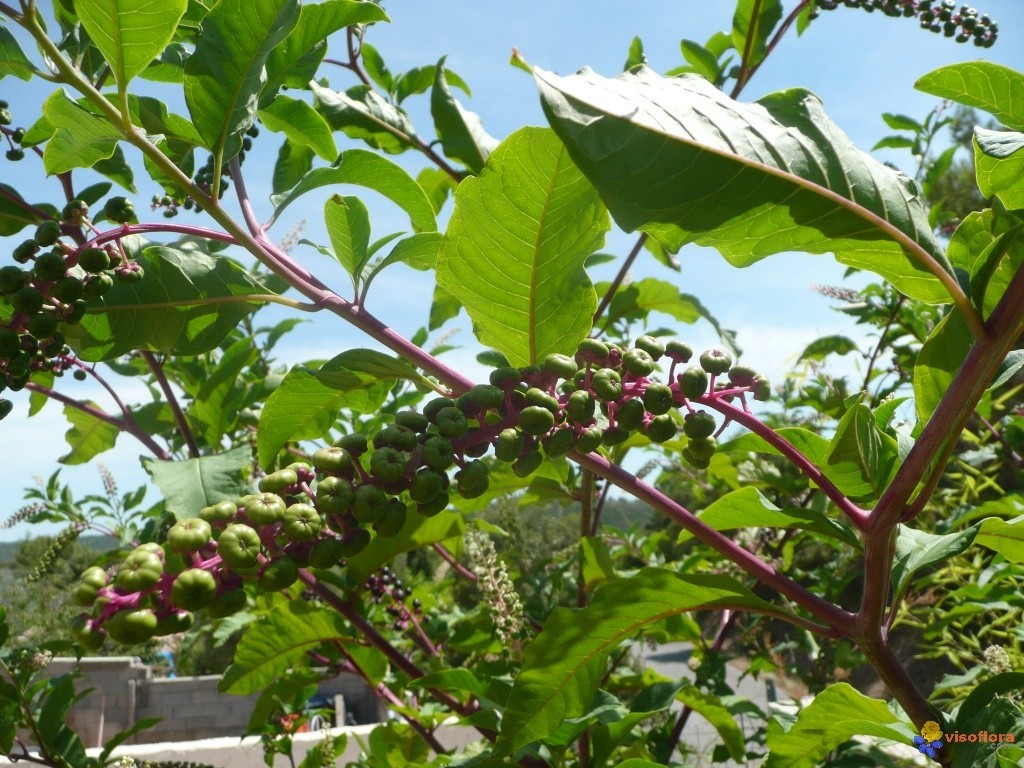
point(125, 691)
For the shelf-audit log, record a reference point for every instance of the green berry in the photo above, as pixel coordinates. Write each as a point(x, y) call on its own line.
point(426, 485)
point(435, 406)
point(239, 547)
point(591, 351)
point(278, 574)
point(487, 396)
point(658, 399)
point(368, 503)
point(27, 300)
point(762, 388)
point(355, 541)
point(614, 435)
point(694, 460)
point(607, 385)
point(88, 636)
point(74, 211)
point(42, 326)
point(528, 463)
point(678, 352)
point(220, 512)
point(588, 440)
point(699, 425)
point(388, 464)
point(25, 250)
point(558, 443)
point(334, 460)
point(562, 366)
point(326, 553)
point(334, 496)
point(119, 209)
point(189, 535)
point(50, 266)
point(48, 233)
point(638, 362)
point(451, 423)
point(630, 414)
point(660, 429)
point(301, 522)
point(471, 477)
point(68, 289)
point(265, 508)
point(702, 448)
point(11, 279)
point(535, 396)
point(392, 521)
point(132, 627)
point(399, 438)
point(98, 285)
point(509, 444)
point(356, 445)
point(227, 604)
point(435, 506)
point(437, 453)
point(651, 346)
point(580, 407)
point(174, 623)
point(536, 420)
point(94, 260)
point(506, 378)
point(693, 383)
point(417, 422)
point(742, 376)
point(715, 361)
point(193, 589)
point(10, 343)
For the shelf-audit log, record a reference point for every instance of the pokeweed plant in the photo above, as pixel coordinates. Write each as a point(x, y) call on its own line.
point(290, 495)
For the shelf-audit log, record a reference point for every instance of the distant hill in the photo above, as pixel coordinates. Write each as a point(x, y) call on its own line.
point(8, 549)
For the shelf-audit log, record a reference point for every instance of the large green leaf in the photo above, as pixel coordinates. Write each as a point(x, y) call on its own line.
point(863, 456)
point(999, 162)
point(16, 213)
point(918, 549)
point(564, 664)
point(992, 87)
point(189, 485)
point(987, 246)
point(187, 303)
point(514, 250)
point(278, 642)
point(370, 170)
point(836, 715)
point(1004, 536)
point(88, 436)
point(293, 162)
point(130, 33)
point(13, 60)
point(679, 159)
point(80, 138)
point(462, 135)
point(302, 124)
point(362, 113)
point(224, 75)
point(939, 361)
point(295, 61)
point(749, 508)
point(305, 406)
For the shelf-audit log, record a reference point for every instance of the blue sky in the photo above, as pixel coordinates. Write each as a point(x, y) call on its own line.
point(860, 65)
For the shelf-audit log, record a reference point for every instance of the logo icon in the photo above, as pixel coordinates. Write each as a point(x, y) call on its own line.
point(930, 740)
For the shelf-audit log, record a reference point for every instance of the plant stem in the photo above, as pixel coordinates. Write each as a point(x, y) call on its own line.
point(855, 514)
point(179, 417)
point(619, 277)
point(748, 48)
point(128, 425)
point(742, 81)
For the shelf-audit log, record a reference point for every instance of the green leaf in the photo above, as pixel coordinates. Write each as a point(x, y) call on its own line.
point(680, 160)
point(186, 305)
point(16, 213)
point(130, 33)
point(988, 247)
point(305, 406)
point(564, 664)
point(749, 508)
point(821, 348)
point(278, 642)
point(636, 55)
point(420, 80)
point(938, 362)
point(364, 114)
point(88, 436)
point(916, 550)
point(375, 67)
point(836, 715)
point(295, 61)
point(514, 250)
point(116, 168)
point(12, 60)
point(711, 708)
point(992, 87)
point(418, 251)
point(703, 61)
point(641, 297)
point(80, 138)
point(750, 32)
point(302, 124)
point(370, 170)
point(443, 308)
point(862, 454)
point(224, 75)
point(1004, 536)
point(596, 560)
point(293, 162)
point(999, 163)
point(417, 532)
point(216, 403)
point(348, 224)
point(189, 485)
point(902, 122)
point(462, 135)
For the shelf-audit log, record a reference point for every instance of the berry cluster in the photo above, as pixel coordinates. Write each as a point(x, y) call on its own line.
point(14, 136)
point(386, 586)
point(964, 24)
point(51, 289)
point(317, 513)
point(204, 176)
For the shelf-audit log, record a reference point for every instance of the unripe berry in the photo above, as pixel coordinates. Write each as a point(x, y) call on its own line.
point(651, 346)
point(435, 406)
point(222, 511)
point(506, 378)
point(68, 289)
point(715, 361)
point(47, 233)
point(528, 463)
point(11, 279)
point(509, 444)
point(559, 443)
point(193, 589)
point(693, 383)
point(388, 464)
point(49, 266)
point(98, 285)
point(426, 486)
point(434, 507)
point(393, 520)
point(25, 250)
point(326, 552)
point(27, 300)
point(94, 260)
point(239, 547)
point(451, 423)
point(132, 627)
point(278, 574)
point(678, 352)
point(638, 362)
point(614, 435)
point(265, 508)
point(417, 422)
point(42, 326)
point(471, 477)
point(399, 438)
point(630, 414)
point(591, 351)
point(301, 522)
point(355, 541)
point(536, 420)
point(588, 440)
point(539, 397)
point(762, 388)
point(699, 425)
point(278, 481)
point(487, 396)
point(334, 496)
point(368, 503)
point(580, 407)
point(658, 399)
point(607, 384)
point(660, 429)
point(119, 209)
point(438, 453)
point(562, 366)
point(703, 448)
point(334, 460)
